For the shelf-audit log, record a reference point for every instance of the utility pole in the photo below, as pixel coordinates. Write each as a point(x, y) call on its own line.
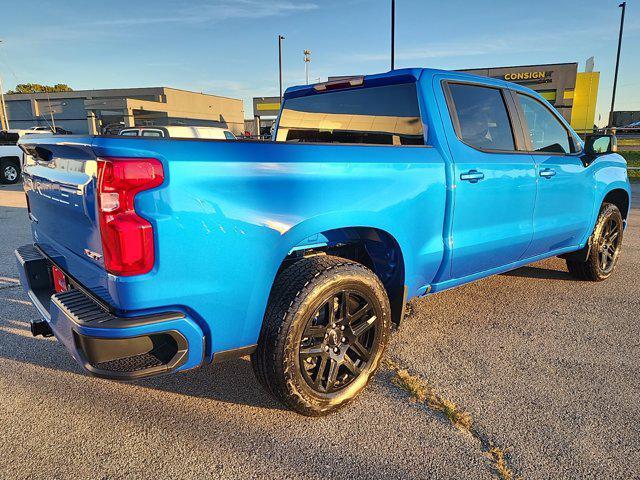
point(393, 34)
point(53, 122)
point(4, 120)
point(307, 60)
point(623, 5)
point(280, 38)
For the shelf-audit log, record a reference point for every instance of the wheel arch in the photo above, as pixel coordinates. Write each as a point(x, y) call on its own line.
point(620, 198)
point(374, 247)
point(12, 158)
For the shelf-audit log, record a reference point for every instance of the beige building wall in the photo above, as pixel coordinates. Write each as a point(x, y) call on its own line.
point(181, 103)
point(87, 111)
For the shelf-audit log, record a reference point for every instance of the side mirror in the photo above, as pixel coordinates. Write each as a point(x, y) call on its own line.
point(600, 144)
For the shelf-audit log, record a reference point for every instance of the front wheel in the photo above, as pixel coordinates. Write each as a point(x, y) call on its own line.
point(326, 327)
point(606, 243)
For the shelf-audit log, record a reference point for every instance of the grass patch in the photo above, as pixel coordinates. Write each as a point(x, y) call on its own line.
point(424, 393)
point(633, 160)
point(420, 391)
point(628, 142)
point(631, 156)
point(499, 464)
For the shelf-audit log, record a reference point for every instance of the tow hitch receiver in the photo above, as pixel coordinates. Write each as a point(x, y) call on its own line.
point(41, 328)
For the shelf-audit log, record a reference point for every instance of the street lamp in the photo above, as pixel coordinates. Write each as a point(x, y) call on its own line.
point(307, 60)
point(280, 38)
point(4, 120)
point(623, 5)
point(393, 33)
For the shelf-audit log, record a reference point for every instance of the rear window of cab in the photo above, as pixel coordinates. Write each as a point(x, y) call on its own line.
point(384, 115)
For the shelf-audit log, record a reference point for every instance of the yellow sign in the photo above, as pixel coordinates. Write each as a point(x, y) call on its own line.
point(585, 96)
point(267, 106)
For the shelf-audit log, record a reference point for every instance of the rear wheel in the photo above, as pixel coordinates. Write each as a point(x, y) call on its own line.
point(606, 243)
point(9, 171)
point(326, 328)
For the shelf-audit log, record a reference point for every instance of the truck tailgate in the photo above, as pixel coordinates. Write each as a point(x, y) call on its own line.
point(60, 184)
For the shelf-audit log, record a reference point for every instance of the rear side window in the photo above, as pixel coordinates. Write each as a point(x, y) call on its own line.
point(229, 136)
point(482, 119)
point(129, 133)
point(546, 132)
point(386, 115)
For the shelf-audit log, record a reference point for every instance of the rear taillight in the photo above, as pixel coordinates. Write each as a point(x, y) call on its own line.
point(127, 238)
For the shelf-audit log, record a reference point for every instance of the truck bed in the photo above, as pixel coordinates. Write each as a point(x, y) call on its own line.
point(228, 213)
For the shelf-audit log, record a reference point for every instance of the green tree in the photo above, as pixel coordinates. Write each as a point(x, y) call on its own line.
point(37, 88)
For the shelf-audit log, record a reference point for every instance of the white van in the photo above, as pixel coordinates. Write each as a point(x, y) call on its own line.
point(178, 131)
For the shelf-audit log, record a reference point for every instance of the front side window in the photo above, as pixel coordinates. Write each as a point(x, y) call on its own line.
point(545, 130)
point(229, 136)
point(483, 121)
point(385, 115)
point(129, 133)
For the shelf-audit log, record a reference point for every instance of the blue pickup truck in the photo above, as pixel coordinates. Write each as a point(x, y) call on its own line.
point(155, 255)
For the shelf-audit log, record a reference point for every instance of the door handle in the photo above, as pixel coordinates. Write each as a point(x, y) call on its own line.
point(547, 172)
point(472, 176)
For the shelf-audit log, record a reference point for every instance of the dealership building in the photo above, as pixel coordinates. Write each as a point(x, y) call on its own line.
point(572, 93)
point(90, 111)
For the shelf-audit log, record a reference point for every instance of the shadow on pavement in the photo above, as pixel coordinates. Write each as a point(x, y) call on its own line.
point(541, 273)
point(228, 382)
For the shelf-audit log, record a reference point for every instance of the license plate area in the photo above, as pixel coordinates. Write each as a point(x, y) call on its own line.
point(60, 282)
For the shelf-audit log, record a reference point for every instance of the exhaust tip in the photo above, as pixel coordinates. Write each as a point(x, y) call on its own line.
point(41, 328)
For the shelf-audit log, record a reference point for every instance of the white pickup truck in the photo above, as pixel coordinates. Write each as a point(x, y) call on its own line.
point(10, 158)
point(180, 131)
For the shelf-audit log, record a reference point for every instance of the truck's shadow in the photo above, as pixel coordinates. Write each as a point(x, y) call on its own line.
point(229, 382)
point(542, 273)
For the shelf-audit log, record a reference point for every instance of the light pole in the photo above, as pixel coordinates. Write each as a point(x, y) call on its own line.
point(280, 38)
point(393, 34)
point(623, 5)
point(4, 120)
point(307, 60)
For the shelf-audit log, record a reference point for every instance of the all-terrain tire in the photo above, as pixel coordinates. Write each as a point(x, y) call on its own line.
point(594, 269)
point(297, 294)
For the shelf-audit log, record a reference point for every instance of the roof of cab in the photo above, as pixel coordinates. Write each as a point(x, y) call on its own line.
point(406, 74)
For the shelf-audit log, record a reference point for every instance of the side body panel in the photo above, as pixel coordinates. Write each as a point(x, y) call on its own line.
point(492, 218)
point(229, 212)
point(564, 204)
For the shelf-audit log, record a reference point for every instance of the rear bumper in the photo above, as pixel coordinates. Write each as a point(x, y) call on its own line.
point(104, 344)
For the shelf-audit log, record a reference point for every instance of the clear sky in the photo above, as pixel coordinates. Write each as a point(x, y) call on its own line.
point(229, 47)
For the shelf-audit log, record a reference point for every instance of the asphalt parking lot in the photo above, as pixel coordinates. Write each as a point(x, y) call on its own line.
point(546, 366)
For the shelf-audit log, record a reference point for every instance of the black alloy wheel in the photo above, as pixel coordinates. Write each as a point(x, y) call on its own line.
point(338, 341)
point(609, 245)
point(605, 245)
